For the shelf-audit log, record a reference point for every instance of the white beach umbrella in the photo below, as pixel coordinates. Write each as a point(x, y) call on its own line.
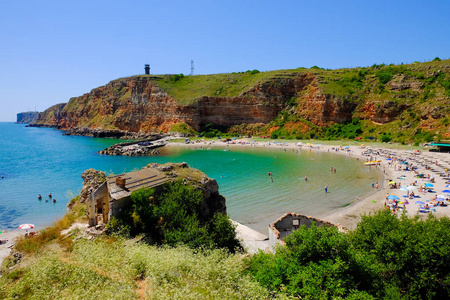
point(26, 226)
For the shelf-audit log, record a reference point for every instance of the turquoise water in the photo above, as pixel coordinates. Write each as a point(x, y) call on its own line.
point(42, 161)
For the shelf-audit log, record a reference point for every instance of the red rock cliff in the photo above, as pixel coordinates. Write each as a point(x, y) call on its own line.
point(138, 104)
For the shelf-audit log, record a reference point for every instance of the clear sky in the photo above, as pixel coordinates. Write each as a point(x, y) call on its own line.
point(51, 51)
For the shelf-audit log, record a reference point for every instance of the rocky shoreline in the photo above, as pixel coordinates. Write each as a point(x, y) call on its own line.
point(145, 147)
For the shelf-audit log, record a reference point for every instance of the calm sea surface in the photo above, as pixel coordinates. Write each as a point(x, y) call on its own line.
point(41, 161)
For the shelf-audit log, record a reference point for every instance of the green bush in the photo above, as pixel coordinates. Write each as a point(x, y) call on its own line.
point(384, 76)
point(386, 137)
point(176, 77)
point(383, 258)
point(173, 217)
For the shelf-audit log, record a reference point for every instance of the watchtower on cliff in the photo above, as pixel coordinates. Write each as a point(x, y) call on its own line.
point(147, 69)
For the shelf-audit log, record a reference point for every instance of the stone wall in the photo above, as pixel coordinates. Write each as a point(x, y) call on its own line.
point(290, 222)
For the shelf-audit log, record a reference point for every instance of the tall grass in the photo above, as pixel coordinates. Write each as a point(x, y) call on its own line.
point(107, 268)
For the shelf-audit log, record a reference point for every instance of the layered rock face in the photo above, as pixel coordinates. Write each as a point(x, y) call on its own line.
point(137, 104)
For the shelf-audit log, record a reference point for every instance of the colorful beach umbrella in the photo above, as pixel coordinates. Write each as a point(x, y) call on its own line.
point(389, 159)
point(429, 185)
point(391, 182)
point(420, 202)
point(393, 197)
point(446, 191)
point(26, 226)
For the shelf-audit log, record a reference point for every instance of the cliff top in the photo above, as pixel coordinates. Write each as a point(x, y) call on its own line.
point(340, 82)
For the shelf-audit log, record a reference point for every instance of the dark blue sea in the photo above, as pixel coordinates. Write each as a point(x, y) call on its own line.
point(37, 161)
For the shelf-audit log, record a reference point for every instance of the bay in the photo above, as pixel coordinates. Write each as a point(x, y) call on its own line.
point(41, 161)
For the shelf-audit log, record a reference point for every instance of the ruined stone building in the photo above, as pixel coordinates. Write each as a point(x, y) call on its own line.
point(113, 194)
point(109, 195)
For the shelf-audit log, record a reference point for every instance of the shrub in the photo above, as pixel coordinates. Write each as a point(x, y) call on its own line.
point(175, 78)
point(173, 217)
point(386, 137)
point(384, 258)
point(384, 76)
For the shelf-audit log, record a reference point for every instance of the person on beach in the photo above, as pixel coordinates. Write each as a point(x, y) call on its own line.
point(326, 189)
point(306, 178)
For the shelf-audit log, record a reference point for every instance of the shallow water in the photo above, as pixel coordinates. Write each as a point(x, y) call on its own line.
point(42, 161)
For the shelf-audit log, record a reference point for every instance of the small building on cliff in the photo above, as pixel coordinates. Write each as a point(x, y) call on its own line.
point(113, 194)
point(290, 222)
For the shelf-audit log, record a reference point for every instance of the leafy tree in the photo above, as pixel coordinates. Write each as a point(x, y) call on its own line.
point(385, 257)
point(172, 217)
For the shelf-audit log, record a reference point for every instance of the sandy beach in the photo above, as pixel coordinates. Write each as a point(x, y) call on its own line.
point(8, 241)
point(399, 165)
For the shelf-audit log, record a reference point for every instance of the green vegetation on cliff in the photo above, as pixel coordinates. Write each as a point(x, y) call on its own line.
point(172, 218)
point(189, 89)
point(400, 103)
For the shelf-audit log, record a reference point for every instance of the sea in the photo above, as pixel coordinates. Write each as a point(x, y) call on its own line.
point(37, 161)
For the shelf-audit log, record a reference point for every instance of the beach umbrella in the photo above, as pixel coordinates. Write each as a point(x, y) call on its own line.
point(391, 182)
point(403, 189)
point(389, 159)
point(446, 191)
point(448, 185)
point(429, 185)
point(26, 226)
point(393, 197)
point(420, 202)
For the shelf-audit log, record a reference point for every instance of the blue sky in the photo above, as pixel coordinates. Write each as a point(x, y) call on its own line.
point(51, 51)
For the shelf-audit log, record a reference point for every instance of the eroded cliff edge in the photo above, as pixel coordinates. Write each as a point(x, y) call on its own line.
point(414, 95)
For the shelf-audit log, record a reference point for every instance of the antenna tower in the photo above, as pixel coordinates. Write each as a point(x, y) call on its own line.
point(192, 67)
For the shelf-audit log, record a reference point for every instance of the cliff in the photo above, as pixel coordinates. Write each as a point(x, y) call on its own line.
point(27, 117)
point(289, 102)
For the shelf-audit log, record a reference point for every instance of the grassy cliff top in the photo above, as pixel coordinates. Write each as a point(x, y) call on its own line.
point(340, 82)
